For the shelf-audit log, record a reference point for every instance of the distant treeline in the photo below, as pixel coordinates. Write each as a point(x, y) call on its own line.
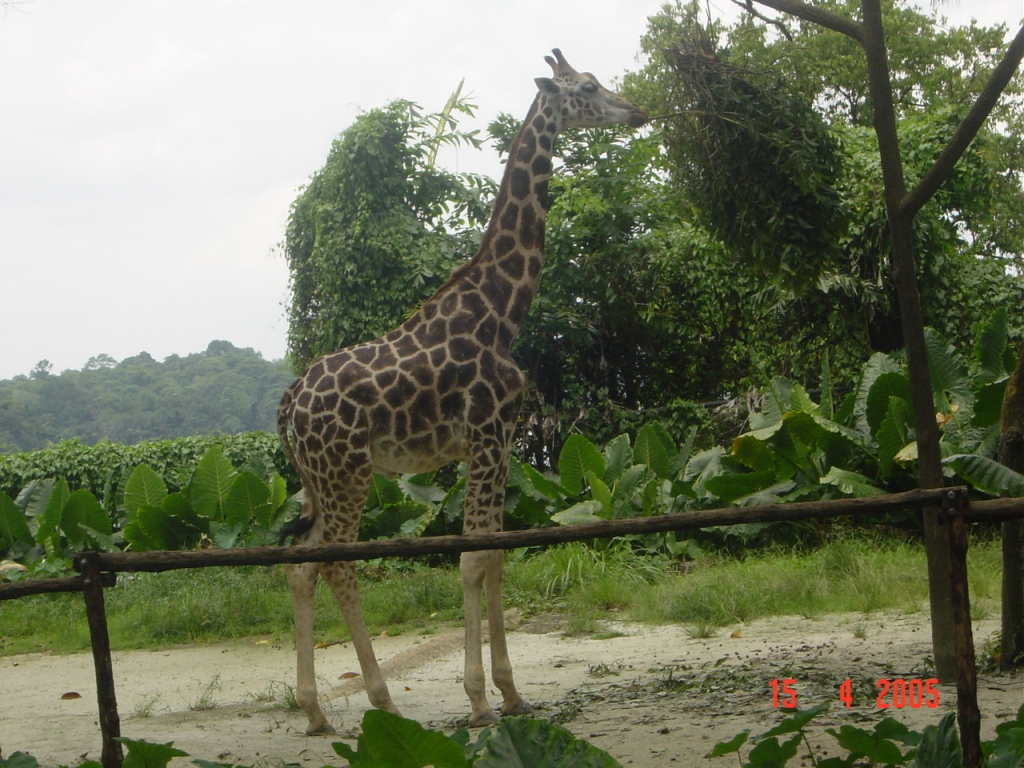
point(223, 390)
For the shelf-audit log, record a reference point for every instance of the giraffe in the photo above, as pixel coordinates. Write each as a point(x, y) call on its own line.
point(439, 388)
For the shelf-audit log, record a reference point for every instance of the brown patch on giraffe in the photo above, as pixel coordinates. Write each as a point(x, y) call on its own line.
point(520, 183)
point(510, 217)
point(530, 224)
point(452, 405)
point(463, 349)
point(527, 147)
point(541, 165)
point(385, 378)
point(486, 331)
point(498, 291)
point(385, 359)
point(514, 264)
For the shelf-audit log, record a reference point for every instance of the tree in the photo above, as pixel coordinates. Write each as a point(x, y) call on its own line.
point(379, 227)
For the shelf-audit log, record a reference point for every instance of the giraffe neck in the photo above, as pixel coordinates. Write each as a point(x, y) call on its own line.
point(505, 270)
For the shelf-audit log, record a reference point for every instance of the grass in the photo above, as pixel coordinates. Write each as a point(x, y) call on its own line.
point(587, 585)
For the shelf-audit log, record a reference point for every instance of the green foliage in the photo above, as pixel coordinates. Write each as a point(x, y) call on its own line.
point(379, 227)
point(221, 390)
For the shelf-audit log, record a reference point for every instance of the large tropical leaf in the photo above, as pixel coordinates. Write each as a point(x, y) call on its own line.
point(48, 532)
point(392, 741)
point(987, 475)
point(383, 492)
point(851, 483)
point(876, 365)
point(144, 486)
point(13, 525)
point(649, 449)
point(82, 508)
point(578, 457)
point(523, 741)
point(891, 384)
point(892, 435)
point(617, 456)
point(988, 407)
point(948, 372)
point(211, 484)
point(990, 345)
point(730, 487)
point(543, 485)
point(583, 512)
point(248, 498)
point(601, 493)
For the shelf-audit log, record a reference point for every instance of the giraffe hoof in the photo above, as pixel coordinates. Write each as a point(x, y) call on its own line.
point(325, 729)
point(479, 720)
point(517, 708)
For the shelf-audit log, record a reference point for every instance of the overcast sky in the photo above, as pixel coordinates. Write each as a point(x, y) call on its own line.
point(149, 151)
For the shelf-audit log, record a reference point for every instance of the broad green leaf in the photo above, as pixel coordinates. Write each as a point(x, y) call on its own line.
point(82, 508)
point(987, 475)
point(704, 465)
point(622, 491)
point(211, 484)
point(416, 526)
point(651, 496)
point(773, 494)
point(13, 525)
point(278, 491)
point(582, 512)
point(728, 747)
point(137, 538)
point(33, 497)
point(851, 483)
point(990, 345)
point(392, 741)
point(48, 532)
point(868, 744)
point(601, 493)
point(617, 456)
point(666, 439)
point(247, 498)
point(142, 754)
point(770, 754)
point(887, 385)
point(177, 506)
point(383, 492)
point(948, 373)
point(801, 401)
point(753, 453)
point(160, 530)
point(988, 405)
point(876, 365)
point(892, 435)
point(939, 747)
point(682, 457)
point(523, 741)
point(394, 516)
point(224, 536)
point(427, 493)
point(144, 486)
point(650, 450)
point(729, 487)
point(797, 721)
point(907, 454)
point(578, 457)
point(21, 760)
point(827, 405)
point(544, 485)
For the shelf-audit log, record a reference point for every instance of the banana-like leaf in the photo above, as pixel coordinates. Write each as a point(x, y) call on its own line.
point(211, 484)
point(248, 499)
point(583, 512)
point(539, 744)
point(876, 365)
point(618, 454)
point(649, 449)
point(731, 487)
point(601, 493)
point(578, 457)
point(988, 406)
point(948, 372)
point(383, 492)
point(144, 486)
point(544, 485)
point(887, 385)
point(990, 345)
point(851, 483)
point(82, 508)
point(987, 475)
point(892, 434)
point(13, 525)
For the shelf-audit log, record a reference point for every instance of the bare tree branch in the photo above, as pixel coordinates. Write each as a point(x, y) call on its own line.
point(966, 131)
point(817, 16)
point(748, 6)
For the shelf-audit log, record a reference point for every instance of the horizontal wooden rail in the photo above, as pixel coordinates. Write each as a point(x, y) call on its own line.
point(441, 545)
point(49, 586)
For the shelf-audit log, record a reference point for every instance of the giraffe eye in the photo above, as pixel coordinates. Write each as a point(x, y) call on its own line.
point(589, 87)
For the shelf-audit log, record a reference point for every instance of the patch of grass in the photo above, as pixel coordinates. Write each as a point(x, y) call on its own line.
point(144, 708)
point(206, 698)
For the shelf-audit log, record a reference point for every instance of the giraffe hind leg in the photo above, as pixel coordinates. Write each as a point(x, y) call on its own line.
point(501, 665)
point(342, 579)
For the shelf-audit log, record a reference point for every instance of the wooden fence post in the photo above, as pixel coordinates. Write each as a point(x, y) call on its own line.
point(953, 504)
point(96, 615)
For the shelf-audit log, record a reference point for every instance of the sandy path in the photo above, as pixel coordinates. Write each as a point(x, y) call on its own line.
point(651, 697)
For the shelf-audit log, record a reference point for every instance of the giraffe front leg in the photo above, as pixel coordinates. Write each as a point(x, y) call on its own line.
point(302, 580)
point(501, 666)
point(473, 568)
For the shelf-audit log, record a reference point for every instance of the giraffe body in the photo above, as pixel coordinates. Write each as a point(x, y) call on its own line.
point(441, 387)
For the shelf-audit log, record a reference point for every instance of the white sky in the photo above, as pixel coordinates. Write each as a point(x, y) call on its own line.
point(149, 151)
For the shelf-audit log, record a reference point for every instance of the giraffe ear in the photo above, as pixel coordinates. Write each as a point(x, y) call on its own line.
point(547, 85)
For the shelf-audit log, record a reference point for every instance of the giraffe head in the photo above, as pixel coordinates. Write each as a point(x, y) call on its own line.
point(583, 102)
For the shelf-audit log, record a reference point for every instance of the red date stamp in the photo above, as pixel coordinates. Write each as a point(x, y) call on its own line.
point(900, 693)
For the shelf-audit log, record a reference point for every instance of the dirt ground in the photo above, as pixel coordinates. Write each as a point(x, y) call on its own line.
point(650, 696)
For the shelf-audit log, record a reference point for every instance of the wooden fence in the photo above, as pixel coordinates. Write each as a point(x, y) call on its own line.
point(98, 571)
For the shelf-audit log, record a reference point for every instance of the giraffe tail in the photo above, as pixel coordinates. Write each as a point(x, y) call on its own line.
point(304, 522)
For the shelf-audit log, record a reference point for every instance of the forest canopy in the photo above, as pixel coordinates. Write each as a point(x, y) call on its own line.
point(224, 389)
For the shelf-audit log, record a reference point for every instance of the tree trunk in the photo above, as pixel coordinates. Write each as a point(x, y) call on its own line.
point(1011, 454)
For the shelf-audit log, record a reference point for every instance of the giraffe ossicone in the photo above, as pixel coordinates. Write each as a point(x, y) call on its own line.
point(441, 387)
